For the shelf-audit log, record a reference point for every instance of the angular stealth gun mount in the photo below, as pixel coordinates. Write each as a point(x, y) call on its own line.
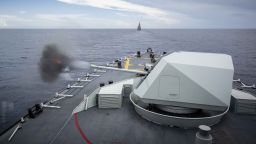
point(183, 89)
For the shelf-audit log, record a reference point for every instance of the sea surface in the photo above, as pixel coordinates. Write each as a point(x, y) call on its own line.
point(20, 50)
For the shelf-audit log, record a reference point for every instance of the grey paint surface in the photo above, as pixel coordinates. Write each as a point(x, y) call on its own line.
point(121, 125)
point(168, 120)
point(44, 128)
point(108, 126)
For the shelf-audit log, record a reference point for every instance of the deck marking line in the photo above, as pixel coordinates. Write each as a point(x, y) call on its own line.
point(80, 130)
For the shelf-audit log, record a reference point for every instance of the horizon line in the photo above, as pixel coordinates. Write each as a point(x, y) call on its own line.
point(128, 28)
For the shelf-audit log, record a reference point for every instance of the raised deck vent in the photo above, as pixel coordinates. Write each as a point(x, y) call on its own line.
point(110, 101)
point(242, 102)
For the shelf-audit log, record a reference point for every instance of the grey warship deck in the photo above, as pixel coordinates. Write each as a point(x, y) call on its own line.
point(44, 127)
point(120, 126)
point(107, 126)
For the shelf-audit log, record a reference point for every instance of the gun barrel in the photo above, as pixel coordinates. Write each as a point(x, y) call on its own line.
point(119, 69)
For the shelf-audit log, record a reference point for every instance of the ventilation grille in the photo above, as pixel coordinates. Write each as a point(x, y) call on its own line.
point(110, 101)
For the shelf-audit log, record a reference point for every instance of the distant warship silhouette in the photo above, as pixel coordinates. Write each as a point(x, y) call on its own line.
point(139, 27)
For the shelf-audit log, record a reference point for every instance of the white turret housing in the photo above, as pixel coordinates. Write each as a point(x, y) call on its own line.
point(191, 80)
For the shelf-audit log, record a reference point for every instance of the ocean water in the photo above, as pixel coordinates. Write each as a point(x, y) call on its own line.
point(20, 51)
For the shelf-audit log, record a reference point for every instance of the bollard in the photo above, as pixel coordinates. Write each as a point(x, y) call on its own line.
point(203, 136)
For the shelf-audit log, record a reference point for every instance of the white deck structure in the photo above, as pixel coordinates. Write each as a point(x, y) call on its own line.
point(110, 96)
point(243, 102)
point(189, 79)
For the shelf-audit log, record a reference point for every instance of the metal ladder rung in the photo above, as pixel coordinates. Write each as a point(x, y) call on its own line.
point(63, 95)
point(74, 86)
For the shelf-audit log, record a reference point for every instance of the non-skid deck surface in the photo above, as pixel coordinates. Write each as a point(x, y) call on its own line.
point(120, 126)
point(44, 128)
point(125, 126)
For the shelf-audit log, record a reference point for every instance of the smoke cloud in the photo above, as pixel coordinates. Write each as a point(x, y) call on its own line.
point(54, 61)
point(79, 65)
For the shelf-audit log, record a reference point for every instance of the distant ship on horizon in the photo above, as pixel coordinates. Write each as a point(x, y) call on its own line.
point(139, 27)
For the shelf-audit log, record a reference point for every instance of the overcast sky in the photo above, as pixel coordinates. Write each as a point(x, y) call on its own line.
point(127, 13)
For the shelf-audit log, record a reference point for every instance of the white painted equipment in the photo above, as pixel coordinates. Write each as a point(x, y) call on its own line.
point(180, 83)
point(118, 69)
point(190, 80)
point(84, 80)
point(62, 95)
point(110, 96)
point(99, 70)
point(243, 102)
point(74, 86)
point(92, 75)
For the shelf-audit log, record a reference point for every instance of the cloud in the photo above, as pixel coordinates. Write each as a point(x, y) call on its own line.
point(60, 17)
point(3, 22)
point(78, 20)
point(122, 5)
point(4, 19)
point(73, 20)
point(121, 14)
point(14, 21)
